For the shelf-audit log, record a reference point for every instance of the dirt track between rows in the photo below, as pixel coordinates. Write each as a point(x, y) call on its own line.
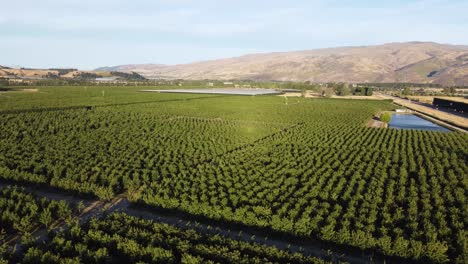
point(120, 203)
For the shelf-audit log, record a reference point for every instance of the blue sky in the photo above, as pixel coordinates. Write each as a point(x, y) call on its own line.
point(92, 33)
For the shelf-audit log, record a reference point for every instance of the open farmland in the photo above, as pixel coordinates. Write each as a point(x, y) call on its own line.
point(306, 168)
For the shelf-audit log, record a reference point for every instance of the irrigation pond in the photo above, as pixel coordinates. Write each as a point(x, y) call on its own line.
point(411, 121)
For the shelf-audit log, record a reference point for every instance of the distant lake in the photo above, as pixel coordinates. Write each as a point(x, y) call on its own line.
point(405, 121)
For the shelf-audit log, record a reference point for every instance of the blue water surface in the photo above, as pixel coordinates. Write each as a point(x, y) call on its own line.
point(409, 121)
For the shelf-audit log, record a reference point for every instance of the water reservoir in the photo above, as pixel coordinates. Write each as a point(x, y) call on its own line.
point(410, 121)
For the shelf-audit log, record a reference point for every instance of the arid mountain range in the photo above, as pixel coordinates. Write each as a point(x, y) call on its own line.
point(418, 62)
point(45, 73)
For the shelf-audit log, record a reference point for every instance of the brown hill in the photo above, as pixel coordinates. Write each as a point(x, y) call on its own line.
point(46, 73)
point(422, 62)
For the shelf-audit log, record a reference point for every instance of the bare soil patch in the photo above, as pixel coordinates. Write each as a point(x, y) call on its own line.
point(376, 124)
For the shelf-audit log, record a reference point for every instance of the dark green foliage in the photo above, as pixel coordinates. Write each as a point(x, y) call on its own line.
point(128, 76)
point(62, 71)
point(406, 91)
point(309, 168)
point(21, 211)
point(120, 238)
point(363, 91)
point(87, 76)
point(5, 253)
point(342, 90)
point(449, 90)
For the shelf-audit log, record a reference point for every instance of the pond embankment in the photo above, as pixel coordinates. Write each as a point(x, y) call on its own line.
point(448, 120)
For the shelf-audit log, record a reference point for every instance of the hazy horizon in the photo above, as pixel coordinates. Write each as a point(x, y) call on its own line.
point(89, 34)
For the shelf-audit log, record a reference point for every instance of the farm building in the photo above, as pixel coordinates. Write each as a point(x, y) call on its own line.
point(456, 105)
